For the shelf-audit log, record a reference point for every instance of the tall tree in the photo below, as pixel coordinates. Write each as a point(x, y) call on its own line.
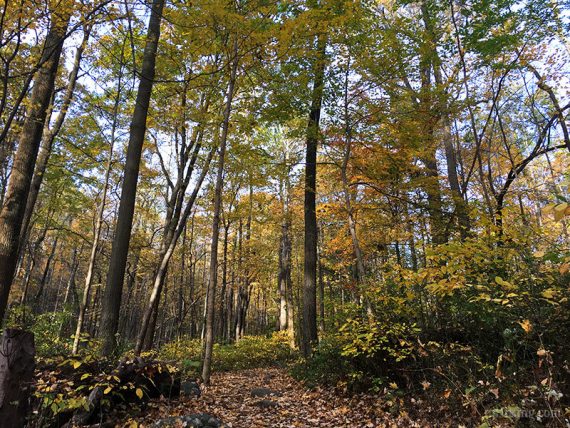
point(213, 273)
point(111, 301)
point(83, 305)
point(13, 209)
point(50, 132)
point(309, 326)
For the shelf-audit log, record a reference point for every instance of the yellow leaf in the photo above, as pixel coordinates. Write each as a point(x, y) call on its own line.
point(139, 393)
point(76, 364)
point(548, 293)
point(526, 326)
point(560, 211)
point(539, 254)
point(85, 376)
point(107, 390)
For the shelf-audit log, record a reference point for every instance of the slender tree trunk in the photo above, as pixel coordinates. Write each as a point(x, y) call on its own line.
point(170, 245)
point(46, 272)
point(13, 209)
point(69, 288)
point(429, 119)
point(321, 283)
point(192, 300)
point(284, 276)
point(213, 276)
point(360, 271)
point(97, 232)
point(114, 288)
point(231, 292)
point(245, 290)
point(309, 326)
point(48, 137)
point(241, 280)
point(181, 304)
point(223, 314)
point(290, 309)
point(461, 207)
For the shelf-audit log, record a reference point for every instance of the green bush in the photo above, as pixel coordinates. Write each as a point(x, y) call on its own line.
point(327, 365)
point(249, 352)
point(47, 329)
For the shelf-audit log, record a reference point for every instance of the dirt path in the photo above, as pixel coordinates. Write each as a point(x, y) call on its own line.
point(230, 400)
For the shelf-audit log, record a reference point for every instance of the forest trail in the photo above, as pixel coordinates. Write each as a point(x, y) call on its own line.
point(238, 400)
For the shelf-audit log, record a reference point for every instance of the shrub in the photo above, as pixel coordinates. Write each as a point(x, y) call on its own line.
point(47, 329)
point(249, 352)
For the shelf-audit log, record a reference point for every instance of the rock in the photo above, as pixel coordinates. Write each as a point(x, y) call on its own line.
point(264, 392)
point(266, 404)
point(200, 420)
point(189, 388)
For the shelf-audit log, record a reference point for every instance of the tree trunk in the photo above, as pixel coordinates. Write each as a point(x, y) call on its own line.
point(99, 221)
point(429, 119)
point(360, 271)
point(213, 274)
point(309, 326)
point(13, 210)
point(284, 276)
point(461, 208)
point(113, 291)
point(16, 375)
point(45, 274)
point(223, 314)
point(48, 137)
point(165, 260)
point(94, 249)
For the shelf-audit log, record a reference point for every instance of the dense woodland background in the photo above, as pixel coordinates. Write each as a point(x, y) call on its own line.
point(386, 183)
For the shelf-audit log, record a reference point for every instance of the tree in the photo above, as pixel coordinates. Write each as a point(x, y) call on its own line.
point(114, 288)
point(49, 134)
point(309, 327)
point(213, 273)
point(13, 209)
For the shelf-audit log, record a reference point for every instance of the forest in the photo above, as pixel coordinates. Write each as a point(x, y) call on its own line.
point(284, 213)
